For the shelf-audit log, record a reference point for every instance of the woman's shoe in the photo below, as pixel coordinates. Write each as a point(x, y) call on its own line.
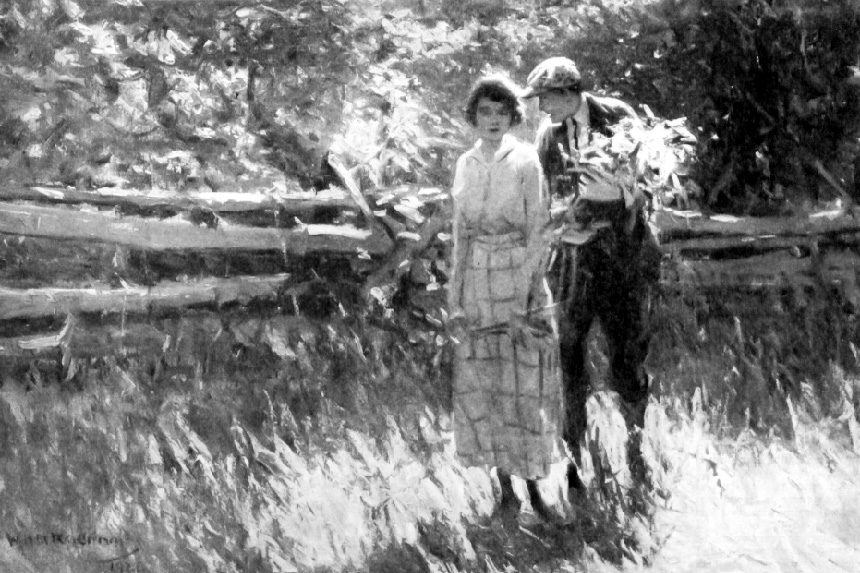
point(576, 493)
point(574, 483)
point(509, 508)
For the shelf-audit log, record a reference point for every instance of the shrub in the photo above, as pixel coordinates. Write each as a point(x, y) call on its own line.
point(778, 111)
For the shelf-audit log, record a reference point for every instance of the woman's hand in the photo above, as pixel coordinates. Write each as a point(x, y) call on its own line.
point(457, 325)
point(519, 329)
point(528, 330)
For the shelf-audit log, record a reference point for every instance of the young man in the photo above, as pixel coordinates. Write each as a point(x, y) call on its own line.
point(606, 267)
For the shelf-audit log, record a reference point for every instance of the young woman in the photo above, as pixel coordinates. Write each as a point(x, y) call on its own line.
point(507, 388)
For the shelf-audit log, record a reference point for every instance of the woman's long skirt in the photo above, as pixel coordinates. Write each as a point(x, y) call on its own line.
point(507, 395)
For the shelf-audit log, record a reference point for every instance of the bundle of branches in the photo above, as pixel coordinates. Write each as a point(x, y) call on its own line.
point(780, 116)
point(650, 159)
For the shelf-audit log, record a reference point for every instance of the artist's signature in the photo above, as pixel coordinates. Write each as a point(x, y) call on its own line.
point(126, 559)
point(124, 563)
point(18, 541)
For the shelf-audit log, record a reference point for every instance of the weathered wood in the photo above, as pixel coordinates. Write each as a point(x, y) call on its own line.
point(351, 186)
point(222, 201)
point(58, 301)
point(235, 201)
point(684, 225)
point(757, 243)
point(138, 232)
point(393, 195)
point(674, 225)
point(769, 269)
point(760, 243)
point(777, 269)
point(30, 346)
point(41, 262)
point(168, 338)
point(38, 344)
point(408, 246)
point(133, 339)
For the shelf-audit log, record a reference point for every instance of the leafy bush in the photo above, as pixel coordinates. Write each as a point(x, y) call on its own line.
point(777, 114)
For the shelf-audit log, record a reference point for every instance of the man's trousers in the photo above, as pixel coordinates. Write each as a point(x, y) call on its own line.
point(608, 278)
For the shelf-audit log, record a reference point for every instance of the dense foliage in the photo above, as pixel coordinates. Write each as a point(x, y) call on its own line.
point(779, 112)
point(202, 95)
point(241, 95)
point(251, 95)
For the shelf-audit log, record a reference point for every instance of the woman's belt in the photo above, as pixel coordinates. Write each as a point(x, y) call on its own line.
point(515, 238)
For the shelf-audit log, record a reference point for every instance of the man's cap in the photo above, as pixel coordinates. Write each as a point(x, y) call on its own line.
point(552, 74)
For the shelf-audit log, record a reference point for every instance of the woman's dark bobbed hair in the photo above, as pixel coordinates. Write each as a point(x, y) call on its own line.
point(495, 88)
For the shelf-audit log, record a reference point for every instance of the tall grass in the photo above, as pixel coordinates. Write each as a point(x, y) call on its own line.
point(752, 352)
point(278, 443)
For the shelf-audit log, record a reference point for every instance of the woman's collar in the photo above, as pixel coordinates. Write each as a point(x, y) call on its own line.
point(509, 142)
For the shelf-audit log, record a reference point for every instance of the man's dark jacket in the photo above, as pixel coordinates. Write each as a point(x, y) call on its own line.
point(606, 278)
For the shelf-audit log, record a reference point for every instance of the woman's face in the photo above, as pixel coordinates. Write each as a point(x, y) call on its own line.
point(492, 118)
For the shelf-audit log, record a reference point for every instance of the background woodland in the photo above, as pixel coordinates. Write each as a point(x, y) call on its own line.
point(249, 95)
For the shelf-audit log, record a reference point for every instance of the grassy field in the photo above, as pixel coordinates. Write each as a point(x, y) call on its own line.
point(288, 444)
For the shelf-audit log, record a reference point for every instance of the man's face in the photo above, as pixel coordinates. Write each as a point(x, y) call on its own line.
point(559, 104)
point(493, 119)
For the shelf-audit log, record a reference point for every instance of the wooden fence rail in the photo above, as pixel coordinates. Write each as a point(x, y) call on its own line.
point(785, 251)
point(177, 233)
point(224, 202)
point(687, 229)
point(20, 303)
point(780, 269)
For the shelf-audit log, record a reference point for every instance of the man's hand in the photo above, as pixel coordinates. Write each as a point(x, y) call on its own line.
point(591, 174)
point(457, 325)
point(601, 176)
